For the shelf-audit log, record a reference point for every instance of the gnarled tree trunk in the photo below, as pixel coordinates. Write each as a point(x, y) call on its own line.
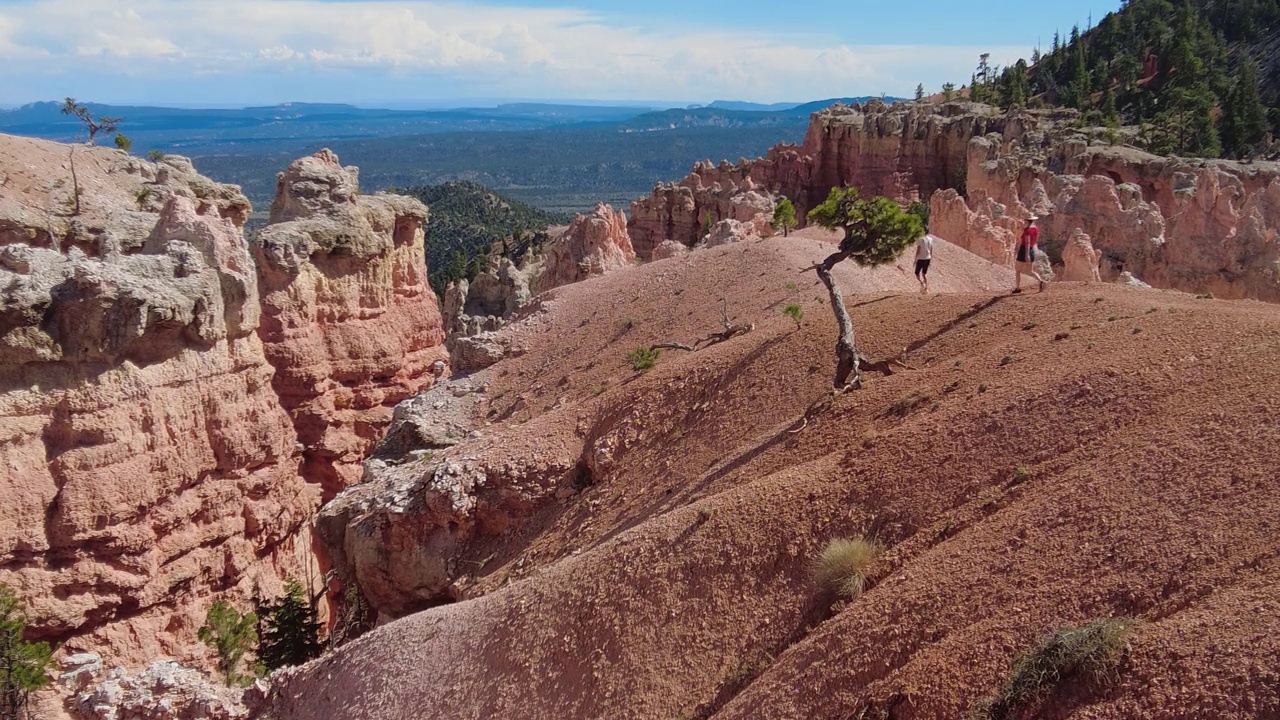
point(847, 360)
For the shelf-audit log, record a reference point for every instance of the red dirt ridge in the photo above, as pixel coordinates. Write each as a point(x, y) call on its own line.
point(1093, 451)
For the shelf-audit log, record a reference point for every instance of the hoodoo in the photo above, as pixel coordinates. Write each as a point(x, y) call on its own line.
point(349, 320)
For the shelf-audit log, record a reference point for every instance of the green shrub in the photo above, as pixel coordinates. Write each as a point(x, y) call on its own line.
point(842, 566)
point(642, 359)
point(1091, 652)
point(795, 312)
point(123, 142)
point(231, 635)
point(155, 156)
point(23, 665)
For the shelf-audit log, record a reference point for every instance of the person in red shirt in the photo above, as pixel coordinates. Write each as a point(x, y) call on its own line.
point(1027, 256)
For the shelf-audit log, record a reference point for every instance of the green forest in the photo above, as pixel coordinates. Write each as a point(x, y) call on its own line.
point(467, 220)
point(1193, 75)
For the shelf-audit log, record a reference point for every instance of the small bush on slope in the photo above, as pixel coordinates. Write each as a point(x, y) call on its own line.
point(643, 358)
point(842, 566)
point(1092, 652)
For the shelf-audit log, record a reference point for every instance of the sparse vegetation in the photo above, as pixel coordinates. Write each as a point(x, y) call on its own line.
point(231, 635)
point(842, 566)
point(143, 196)
point(642, 359)
point(1061, 336)
point(1091, 653)
point(23, 665)
point(155, 156)
point(123, 142)
point(795, 312)
point(1006, 360)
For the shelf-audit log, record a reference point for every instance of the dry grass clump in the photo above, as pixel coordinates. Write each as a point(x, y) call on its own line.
point(842, 566)
point(1091, 652)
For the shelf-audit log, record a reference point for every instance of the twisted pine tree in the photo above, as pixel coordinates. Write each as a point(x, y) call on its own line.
point(876, 232)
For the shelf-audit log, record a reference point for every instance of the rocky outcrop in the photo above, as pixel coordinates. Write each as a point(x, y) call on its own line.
point(349, 321)
point(1080, 260)
point(594, 244)
point(163, 691)
point(685, 212)
point(146, 465)
point(492, 297)
point(1195, 225)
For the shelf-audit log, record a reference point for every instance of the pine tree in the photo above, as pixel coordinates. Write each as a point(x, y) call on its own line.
point(1243, 123)
point(876, 232)
point(231, 635)
point(23, 665)
point(920, 91)
point(784, 216)
point(290, 629)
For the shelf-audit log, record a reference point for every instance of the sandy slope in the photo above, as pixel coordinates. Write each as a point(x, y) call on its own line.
point(678, 585)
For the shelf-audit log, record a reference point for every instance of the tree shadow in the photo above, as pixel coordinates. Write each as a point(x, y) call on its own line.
point(951, 325)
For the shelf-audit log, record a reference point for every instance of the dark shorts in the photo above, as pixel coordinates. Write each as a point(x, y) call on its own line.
point(1024, 254)
point(922, 267)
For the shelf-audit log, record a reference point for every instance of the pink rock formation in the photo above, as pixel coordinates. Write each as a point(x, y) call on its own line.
point(146, 465)
point(349, 321)
point(1080, 260)
point(729, 231)
point(593, 245)
point(907, 151)
point(981, 233)
point(1187, 224)
point(668, 249)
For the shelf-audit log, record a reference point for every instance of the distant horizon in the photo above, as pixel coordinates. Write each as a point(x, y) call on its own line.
point(237, 53)
point(429, 105)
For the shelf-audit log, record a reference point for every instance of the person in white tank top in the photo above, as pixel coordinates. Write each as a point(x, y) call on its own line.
point(924, 256)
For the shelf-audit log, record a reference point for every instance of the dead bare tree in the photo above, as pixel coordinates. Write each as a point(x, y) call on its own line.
point(731, 330)
point(876, 232)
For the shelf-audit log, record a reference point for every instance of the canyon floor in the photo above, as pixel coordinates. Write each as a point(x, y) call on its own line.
point(1047, 459)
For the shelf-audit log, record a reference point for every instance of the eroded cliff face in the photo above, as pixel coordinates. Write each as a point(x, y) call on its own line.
point(349, 320)
point(594, 244)
point(1105, 210)
point(146, 465)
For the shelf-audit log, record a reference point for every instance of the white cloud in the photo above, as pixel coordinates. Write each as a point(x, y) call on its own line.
point(529, 52)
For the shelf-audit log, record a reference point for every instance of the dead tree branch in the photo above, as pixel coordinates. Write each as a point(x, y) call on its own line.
point(731, 330)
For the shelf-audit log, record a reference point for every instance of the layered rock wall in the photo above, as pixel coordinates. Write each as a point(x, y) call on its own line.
point(1193, 225)
point(349, 321)
point(145, 462)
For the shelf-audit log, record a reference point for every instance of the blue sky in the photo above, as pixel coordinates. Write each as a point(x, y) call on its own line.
point(407, 52)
